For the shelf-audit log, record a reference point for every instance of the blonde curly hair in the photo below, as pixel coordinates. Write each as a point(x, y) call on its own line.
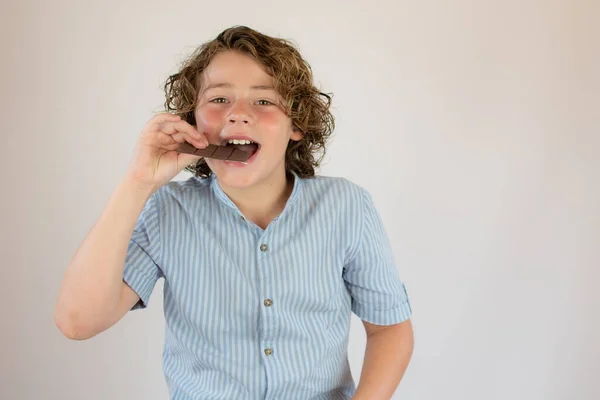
point(307, 106)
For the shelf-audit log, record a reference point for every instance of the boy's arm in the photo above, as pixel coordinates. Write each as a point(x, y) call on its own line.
point(93, 295)
point(380, 300)
point(388, 352)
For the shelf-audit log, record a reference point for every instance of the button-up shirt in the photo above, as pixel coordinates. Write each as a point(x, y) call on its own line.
point(255, 313)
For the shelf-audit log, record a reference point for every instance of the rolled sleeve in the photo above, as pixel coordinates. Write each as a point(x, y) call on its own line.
point(378, 294)
point(142, 268)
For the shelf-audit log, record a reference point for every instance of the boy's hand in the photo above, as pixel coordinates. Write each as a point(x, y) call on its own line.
point(155, 161)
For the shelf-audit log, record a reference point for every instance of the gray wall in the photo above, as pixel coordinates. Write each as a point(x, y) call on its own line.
point(488, 184)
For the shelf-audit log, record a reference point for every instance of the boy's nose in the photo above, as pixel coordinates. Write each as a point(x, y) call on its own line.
point(240, 113)
point(238, 118)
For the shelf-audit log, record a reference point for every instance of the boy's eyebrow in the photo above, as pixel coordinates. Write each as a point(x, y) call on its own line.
point(229, 85)
point(262, 87)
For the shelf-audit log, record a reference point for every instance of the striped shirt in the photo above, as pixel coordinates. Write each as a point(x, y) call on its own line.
point(263, 314)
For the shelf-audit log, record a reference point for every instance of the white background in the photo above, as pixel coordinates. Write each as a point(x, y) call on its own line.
point(474, 124)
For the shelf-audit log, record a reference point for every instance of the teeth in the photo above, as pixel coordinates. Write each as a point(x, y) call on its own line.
point(240, 141)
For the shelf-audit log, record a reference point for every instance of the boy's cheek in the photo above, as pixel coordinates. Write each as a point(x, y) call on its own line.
point(273, 119)
point(209, 122)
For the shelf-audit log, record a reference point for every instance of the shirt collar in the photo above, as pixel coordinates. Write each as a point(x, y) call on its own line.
point(223, 198)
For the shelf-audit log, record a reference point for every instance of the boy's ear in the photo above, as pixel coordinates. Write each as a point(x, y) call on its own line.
point(296, 134)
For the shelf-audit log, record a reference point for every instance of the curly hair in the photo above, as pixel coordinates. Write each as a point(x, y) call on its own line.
point(307, 107)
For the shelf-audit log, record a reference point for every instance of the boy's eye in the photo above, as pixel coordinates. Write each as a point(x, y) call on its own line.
point(219, 100)
point(264, 102)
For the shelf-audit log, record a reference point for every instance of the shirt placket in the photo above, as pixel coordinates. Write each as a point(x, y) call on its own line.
point(264, 248)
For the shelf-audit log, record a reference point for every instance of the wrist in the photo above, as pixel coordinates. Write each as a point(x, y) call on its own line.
point(138, 189)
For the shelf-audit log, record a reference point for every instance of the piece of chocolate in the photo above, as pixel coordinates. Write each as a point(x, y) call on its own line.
point(230, 153)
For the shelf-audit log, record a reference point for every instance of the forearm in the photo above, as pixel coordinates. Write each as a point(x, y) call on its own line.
point(387, 355)
point(92, 283)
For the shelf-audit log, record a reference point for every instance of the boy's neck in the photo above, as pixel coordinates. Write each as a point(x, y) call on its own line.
point(263, 202)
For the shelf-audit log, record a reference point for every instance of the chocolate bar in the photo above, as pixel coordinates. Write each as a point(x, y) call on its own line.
point(230, 153)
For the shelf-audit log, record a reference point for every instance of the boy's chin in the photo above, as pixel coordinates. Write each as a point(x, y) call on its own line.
point(243, 177)
point(237, 179)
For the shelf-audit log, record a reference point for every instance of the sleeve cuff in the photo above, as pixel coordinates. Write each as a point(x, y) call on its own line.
point(140, 283)
point(383, 317)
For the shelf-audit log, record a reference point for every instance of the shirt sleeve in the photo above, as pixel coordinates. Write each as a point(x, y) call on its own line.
point(142, 268)
point(378, 295)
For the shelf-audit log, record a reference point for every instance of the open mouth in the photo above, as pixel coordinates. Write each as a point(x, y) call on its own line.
point(247, 146)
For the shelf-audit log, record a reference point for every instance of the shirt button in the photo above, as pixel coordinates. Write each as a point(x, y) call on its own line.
point(264, 247)
point(268, 352)
point(268, 302)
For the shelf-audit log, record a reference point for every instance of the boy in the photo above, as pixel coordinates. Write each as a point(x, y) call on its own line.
point(263, 262)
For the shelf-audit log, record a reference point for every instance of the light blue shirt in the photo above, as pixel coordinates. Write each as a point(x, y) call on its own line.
point(264, 314)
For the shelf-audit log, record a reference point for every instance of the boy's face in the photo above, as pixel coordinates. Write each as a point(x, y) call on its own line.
point(237, 100)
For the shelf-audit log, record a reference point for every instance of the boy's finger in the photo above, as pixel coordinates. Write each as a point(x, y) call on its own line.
point(162, 118)
point(184, 126)
point(172, 127)
point(182, 138)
